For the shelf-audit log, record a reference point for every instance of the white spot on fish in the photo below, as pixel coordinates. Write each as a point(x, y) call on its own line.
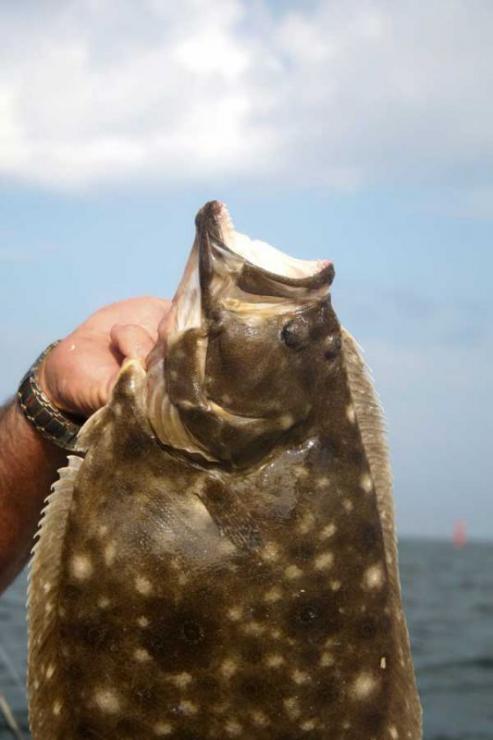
point(348, 505)
point(182, 680)
point(364, 686)
point(324, 561)
point(307, 522)
point(393, 732)
point(291, 707)
point(335, 585)
point(103, 602)
point(308, 725)
point(270, 552)
point(143, 585)
point(57, 707)
point(81, 567)
point(273, 595)
point(228, 667)
point(109, 553)
point(292, 572)
point(300, 677)
point(161, 729)
point(253, 628)
point(233, 728)
point(107, 701)
point(235, 613)
point(350, 413)
point(143, 622)
point(366, 482)
point(46, 586)
point(259, 719)
point(187, 707)
point(102, 530)
point(328, 531)
point(373, 577)
point(383, 662)
point(141, 655)
point(274, 660)
point(326, 660)
point(50, 670)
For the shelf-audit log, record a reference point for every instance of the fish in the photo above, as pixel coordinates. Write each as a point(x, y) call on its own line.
point(218, 558)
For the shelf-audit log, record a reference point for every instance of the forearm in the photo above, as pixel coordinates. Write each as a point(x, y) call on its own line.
point(28, 467)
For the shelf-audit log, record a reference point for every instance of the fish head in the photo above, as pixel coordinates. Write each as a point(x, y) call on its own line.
point(250, 340)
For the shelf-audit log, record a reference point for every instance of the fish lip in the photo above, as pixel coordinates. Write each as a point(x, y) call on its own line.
point(214, 220)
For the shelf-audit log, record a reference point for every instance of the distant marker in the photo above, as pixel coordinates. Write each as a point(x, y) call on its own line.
point(459, 536)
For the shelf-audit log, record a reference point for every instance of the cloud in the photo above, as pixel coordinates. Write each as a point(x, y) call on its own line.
point(323, 93)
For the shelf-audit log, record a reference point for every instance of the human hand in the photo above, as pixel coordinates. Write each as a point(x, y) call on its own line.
point(79, 373)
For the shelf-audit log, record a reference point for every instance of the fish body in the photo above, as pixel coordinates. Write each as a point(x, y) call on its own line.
point(219, 561)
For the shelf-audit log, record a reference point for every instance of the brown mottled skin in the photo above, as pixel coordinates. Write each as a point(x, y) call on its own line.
point(228, 597)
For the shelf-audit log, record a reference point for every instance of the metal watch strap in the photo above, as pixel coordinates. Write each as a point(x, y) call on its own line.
point(55, 425)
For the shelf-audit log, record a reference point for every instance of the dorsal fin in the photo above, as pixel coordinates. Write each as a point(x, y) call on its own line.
point(371, 423)
point(43, 601)
point(370, 419)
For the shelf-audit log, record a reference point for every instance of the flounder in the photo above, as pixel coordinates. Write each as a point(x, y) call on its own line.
point(219, 560)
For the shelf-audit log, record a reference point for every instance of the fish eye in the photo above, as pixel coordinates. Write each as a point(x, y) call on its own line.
point(295, 334)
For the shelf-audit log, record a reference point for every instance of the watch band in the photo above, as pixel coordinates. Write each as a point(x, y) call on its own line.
point(57, 426)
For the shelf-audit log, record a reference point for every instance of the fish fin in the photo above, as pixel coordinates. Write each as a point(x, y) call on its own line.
point(44, 579)
point(90, 430)
point(231, 516)
point(371, 423)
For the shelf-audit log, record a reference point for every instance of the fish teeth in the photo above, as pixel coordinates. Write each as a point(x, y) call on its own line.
point(227, 226)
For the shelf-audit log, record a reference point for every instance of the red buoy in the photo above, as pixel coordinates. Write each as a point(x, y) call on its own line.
point(459, 536)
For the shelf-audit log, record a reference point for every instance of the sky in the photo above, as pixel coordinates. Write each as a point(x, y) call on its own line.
point(359, 131)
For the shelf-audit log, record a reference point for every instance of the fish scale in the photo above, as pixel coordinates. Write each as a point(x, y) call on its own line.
point(220, 555)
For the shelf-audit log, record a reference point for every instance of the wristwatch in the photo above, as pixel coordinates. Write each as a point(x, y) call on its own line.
point(58, 426)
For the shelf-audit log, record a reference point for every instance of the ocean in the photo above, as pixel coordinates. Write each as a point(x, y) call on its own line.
point(448, 596)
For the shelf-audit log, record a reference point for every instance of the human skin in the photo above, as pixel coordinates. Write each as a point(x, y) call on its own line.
point(77, 376)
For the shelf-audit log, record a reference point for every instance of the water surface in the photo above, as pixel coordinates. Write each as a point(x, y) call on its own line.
point(448, 596)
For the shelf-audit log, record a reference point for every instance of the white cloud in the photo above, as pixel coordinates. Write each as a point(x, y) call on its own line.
point(330, 93)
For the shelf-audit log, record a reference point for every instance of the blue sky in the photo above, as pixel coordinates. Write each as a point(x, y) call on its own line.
point(354, 131)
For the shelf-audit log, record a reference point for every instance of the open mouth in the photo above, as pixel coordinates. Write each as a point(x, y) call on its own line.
point(262, 255)
point(224, 258)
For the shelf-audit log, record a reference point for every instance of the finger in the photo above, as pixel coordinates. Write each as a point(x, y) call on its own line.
point(147, 311)
point(131, 340)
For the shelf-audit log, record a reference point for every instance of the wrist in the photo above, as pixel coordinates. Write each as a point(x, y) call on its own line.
point(55, 425)
point(29, 437)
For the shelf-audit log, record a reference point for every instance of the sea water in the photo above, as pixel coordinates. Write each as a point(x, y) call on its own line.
point(448, 596)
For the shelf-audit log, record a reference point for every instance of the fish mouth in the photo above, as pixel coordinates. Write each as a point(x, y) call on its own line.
point(214, 220)
point(226, 261)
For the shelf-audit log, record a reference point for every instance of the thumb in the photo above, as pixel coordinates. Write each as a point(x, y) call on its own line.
point(131, 341)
